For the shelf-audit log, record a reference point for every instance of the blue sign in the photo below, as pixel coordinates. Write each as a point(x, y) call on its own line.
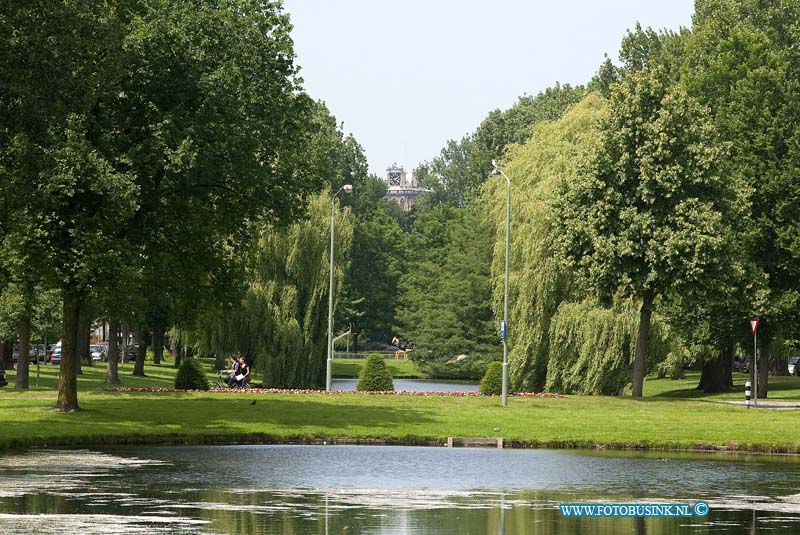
point(503, 330)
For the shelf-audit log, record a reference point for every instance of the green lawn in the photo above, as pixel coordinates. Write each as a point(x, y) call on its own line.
point(661, 420)
point(780, 388)
point(93, 377)
point(352, 368)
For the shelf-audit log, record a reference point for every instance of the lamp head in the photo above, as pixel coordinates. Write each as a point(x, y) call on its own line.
point(496, 170)
point(348, 188)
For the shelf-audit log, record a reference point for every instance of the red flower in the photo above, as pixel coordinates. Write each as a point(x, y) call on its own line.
point(549, 395)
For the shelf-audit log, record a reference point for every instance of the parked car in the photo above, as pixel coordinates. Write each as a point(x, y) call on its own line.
point(40, 353)
point(98, 353)
point(31, 354)
point(55, 356)
point(793, 369)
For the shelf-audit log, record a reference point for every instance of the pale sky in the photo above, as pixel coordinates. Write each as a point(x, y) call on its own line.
point(406, 76)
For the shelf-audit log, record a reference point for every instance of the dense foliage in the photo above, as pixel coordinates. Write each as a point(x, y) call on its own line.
point(177, 125)
point(446, 292)
point(281, 323)
point(539, 284)
point(592, 349)
point(376, 266)
point(174, 182)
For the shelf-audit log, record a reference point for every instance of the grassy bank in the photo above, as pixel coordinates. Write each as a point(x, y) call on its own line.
point(660, 421)
point(399, 369)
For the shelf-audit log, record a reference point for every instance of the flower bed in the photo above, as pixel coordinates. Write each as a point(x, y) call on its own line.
point(332, 392)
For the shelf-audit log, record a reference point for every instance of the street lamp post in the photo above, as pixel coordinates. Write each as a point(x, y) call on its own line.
point(504, 328)
point(329, 369)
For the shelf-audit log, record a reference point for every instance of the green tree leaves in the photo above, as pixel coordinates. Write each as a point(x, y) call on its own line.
point(143, 141)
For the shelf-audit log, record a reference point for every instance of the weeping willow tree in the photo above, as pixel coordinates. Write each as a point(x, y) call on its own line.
point(559, 340)
point(281, 323)
point(592, 348)
point(537, 283)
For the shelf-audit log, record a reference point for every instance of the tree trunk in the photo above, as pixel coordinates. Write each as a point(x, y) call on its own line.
point(178, 354)
point(158, 344)
point(68, 379)
point(141, 353)
point(83, 341)
point(7, 355)
point(780, 366)
point(640, 358)
point(763, 369)
point(112, 371)
point(126, 334)
point(78, 344)
point(728, 350)
point(713, 377)
point(23, 364)
point(679, 372)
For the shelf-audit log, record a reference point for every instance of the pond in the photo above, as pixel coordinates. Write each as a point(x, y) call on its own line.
point(414, 385)
point(384, 490)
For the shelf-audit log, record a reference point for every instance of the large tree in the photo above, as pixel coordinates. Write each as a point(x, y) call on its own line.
point(743, 63)
point(376, 265)
point(64, 195)
point(647, 212)
point(444, 307)
point(147, 129)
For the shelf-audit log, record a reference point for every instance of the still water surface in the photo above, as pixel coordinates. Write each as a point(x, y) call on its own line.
point(414, 385)
point(384, 490)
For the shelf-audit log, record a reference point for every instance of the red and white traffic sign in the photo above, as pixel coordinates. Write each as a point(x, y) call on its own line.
point(754, 324)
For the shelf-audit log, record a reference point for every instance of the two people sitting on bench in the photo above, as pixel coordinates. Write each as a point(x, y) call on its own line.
point(402, 348)
point(239, 374)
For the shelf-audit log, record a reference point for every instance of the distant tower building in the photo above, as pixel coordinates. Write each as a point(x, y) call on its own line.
point(401, 190)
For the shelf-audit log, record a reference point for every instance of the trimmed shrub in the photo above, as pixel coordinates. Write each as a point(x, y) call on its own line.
point(191, 376)
point(374, 376)
point(492, 382)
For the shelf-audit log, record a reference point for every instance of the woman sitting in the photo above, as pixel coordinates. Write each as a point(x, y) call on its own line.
point(231, 380)
point(243, 378)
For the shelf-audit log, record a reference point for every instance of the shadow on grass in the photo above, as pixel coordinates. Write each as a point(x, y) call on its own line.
point(93, 378)
point(186, 414)
point(679, 393)
point(781, 387)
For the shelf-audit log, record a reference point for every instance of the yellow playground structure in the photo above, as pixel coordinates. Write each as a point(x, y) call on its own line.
point(402, 348)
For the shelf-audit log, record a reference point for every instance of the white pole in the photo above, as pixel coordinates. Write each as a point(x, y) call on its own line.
point(505, 292)
point(329, 368)
point(747, 394)
point(755, 368)
point(498, 171)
